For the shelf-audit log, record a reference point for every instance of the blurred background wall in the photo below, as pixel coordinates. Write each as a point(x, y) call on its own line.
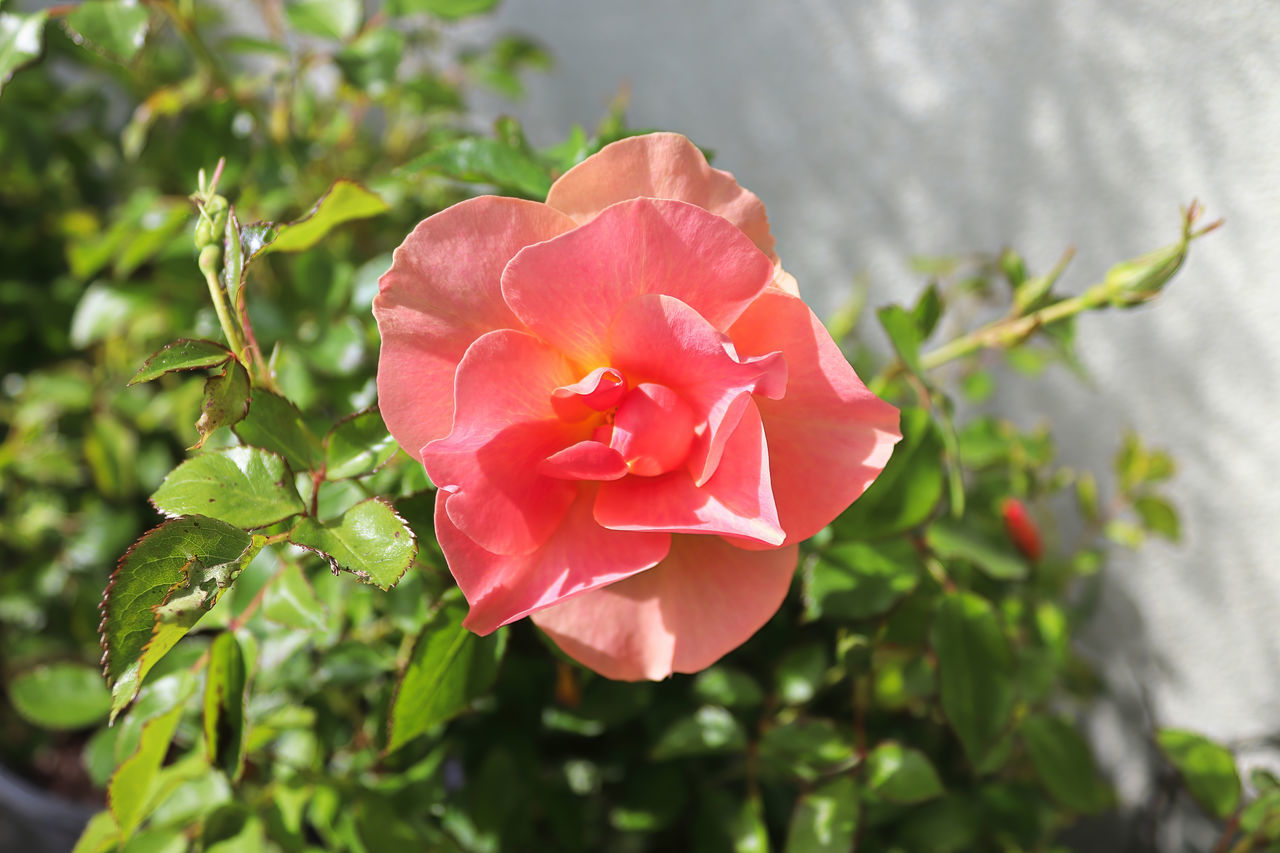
point(879, 130)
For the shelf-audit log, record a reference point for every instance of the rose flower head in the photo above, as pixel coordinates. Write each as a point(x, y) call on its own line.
point(630, 415)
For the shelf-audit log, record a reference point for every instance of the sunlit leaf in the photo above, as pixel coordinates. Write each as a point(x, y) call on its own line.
point(275, 424)
point(907, 490)
point(447, 9)
point(370, 540)
point(21, 37)
point(710, 729)
point(182, 354)
point(115, 28)
point(345, 201)
point(855, 580)
point(486, 161)
point(130, 787)
point(900, 774)
point(825, 819)
point(226, 400)
point(244, 486)
point(290, 601)
point(335, 19)
point(1208, 769)
point(954, 540)
point(358, 445)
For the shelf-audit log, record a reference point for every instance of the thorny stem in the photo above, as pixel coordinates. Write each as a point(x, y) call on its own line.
point(1129, 283)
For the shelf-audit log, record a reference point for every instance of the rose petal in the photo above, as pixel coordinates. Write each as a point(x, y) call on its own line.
point(598, 391)
point(829, 437)
point(736, 501)
point(704, 600)
point(580, 555)
point(659, 339)
point(586, 460)
point(503, 428)
point(442, 292)
point(658, 165)
point(568, 289)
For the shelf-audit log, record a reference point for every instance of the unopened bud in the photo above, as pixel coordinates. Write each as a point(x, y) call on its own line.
point(1136, 281)
point(1021, 529)
point(212, 222)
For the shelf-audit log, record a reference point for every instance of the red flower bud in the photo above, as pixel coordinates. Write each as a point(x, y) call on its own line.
point(1021, 529)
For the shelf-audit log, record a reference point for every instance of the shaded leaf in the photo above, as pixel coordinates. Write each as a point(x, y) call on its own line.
point(371, 61)
point(724, 685)
point(710, 729)
point(902, 775)
point(448, 668)
point(805, 750)
point(130, 787)
point(1158, 516)
point(244, 486)
point(856, 580)
point(907, 490)
point(953, 540)
point(345, 201)
point(975, 671)
point(114, 28)
point(291, 601)
point(273, 423)
point(226, 400)
point(1064, 763)
point(486, 161)
point(162, 585)
point(825, 819)
point(224, 699)
point(60, 695)
point(1208, 769)
point(182, 354)
point(100, 834)
point(927, 311)
point(904, 333)
point(801, 672)
point(358, 445)
point(370, 540)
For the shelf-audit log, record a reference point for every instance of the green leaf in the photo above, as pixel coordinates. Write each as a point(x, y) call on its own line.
point(345, 201)
point(335, 19)
point(1208, 769)
point(486, 161)
point(1064, 763)
point(902, 775)
point(130, 787)
point(372, 60)
point(747, 830)
point(291, 601)
point(224, 698)
point(1158, 516)
point(652, 797)
point(448, 668)
point(927, 312)
point(226, 400)
point(710, 729)
point(450, 10)
point(804, 749)
point(801, 673)
point(953, 540)
point(724, 685)
point(975, 671)
point(825, 819)
point(856, 580)
point(114, 28)
point(370, 540)
point(357, 446)
point(21, 38)
point(907, 490)
point(182, 354)
point(60, 695)
point(275, 424)
point(244, 486)
point(161, 587)
point(904, 333)
point(100, 835)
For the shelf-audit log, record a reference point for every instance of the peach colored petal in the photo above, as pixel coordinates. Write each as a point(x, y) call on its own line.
point(503, 428)
point(586, 460)
point(785, 281)
point(736, 501)
point(442, 292)
point(580, 555)
point(829, 437)
point(658, 165)
point(657, 338)
point(704, 600)
point(568, 289)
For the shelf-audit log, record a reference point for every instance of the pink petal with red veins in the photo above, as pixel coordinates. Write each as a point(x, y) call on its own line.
point(658, 165)
point(442, 292)
point(504, 426)
point(829, 437)
point(568, 289)
point(586, 460)
point(660, 339)
point(704, 600)
point(736, 501)
point(580, 555)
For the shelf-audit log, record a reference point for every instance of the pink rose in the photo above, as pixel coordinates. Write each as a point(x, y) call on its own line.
point(631, 416)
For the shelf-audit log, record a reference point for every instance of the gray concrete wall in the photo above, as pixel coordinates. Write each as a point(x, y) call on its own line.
point(882, 129)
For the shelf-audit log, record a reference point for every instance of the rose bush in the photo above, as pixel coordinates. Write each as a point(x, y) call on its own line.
point(631, 416)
